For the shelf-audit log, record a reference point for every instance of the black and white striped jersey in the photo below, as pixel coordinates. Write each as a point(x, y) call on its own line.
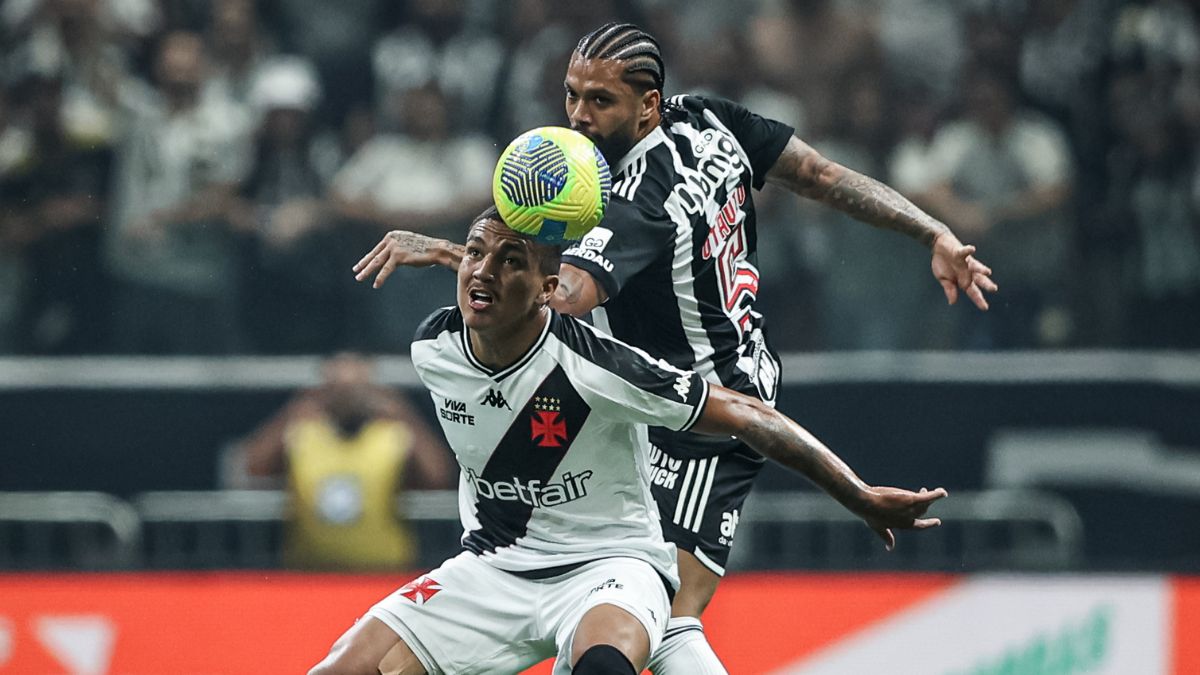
point(676, 249)
point(553, 450)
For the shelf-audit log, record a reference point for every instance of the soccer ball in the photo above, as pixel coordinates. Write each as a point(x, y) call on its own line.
point(552, 184)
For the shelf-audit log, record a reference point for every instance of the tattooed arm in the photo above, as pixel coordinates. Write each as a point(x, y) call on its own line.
point(578, 292)
point(400, 247)
point(774, 435)
point(804, 171)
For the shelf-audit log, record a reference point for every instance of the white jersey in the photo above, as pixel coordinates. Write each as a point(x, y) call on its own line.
point(553, 450)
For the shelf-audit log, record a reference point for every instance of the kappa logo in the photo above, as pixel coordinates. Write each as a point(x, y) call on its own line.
point(547, 426)
point(420, 590)
point(683, 384)
point(495, 399)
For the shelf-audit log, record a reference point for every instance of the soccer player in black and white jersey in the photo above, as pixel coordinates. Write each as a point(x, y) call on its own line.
point(672, 269)
point(564, 555)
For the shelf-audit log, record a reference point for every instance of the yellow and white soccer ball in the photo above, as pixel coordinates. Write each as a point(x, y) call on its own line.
point(553, 184)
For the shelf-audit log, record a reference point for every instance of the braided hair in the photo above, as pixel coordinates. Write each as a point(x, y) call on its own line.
point(640, 53)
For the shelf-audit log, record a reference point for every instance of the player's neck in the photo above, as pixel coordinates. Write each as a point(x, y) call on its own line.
point(501, 346)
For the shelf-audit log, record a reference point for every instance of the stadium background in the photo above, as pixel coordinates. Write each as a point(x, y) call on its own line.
point(184, 185)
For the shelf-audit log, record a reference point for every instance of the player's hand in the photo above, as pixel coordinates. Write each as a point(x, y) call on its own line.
point(955, 267)
point(398, 247)
point(890, 507)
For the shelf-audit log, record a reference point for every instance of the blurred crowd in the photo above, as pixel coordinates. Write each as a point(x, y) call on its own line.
point(198, 176)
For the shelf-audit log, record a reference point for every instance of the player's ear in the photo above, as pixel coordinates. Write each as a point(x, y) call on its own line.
point(650, 103)
point(549, 286)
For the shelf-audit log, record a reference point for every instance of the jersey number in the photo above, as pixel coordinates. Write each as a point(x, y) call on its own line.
point(738, 279)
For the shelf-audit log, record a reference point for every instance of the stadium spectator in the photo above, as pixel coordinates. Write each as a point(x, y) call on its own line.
point(892, 307)
point(14, 147)
point(768, 55)
point(290, 294)
point(1003, 177)
point(812, 47)
point(1154, 200)
point(90, 43)
point(348, 447)
point(442, 46)
point(923, 45)
point(529, 80)
point(238, 49)
point(426, 178)
point(56, 194)
point(337, 37)
point(172, 253)
point(1154, 102)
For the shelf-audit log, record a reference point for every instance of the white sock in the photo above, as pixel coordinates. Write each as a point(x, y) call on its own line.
point(685, 650)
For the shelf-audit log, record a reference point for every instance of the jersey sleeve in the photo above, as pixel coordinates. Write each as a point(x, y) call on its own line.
point(425, 341)
point(625, 384)
point(762, 138)
point(440, 321)
point(625, 243)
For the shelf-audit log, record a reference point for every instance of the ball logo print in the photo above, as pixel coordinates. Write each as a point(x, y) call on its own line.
point(553, 184)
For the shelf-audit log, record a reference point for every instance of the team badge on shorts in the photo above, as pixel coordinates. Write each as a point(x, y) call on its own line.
point(547, 425)
point(420, 590)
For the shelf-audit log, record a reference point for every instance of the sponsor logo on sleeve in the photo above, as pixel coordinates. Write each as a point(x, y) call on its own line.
point(591, 248)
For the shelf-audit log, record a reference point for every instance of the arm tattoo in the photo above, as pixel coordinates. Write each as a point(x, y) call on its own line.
point(448, 254)
point(871, 201)
point(568, 290)
point(411, 241)
point(786, 442)
point(805, 172)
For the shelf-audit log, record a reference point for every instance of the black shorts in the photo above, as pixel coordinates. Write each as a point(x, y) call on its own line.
point(700, 498)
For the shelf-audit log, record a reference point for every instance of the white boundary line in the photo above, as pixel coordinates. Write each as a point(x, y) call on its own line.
point(1181, 369)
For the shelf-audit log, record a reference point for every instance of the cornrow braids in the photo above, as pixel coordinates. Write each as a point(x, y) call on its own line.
point(638, 50)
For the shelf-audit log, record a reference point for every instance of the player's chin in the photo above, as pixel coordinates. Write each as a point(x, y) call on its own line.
point(476, 318)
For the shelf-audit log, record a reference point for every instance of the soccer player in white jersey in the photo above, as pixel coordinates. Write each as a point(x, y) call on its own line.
point(564, 555)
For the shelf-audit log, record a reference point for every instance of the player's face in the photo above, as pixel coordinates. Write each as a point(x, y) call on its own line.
point(500, 288)
point(604, 107)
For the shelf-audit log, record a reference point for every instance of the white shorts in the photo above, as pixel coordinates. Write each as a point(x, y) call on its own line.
point(469, 617)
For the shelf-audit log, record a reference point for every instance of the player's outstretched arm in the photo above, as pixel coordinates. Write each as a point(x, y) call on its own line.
point(806, 172)
point(400, 247)
point(775, 436)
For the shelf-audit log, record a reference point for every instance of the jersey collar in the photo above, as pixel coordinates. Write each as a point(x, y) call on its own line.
point(499, 375)
point(640, 148)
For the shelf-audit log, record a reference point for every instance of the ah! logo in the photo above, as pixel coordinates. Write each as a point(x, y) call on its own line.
point(420, 590)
